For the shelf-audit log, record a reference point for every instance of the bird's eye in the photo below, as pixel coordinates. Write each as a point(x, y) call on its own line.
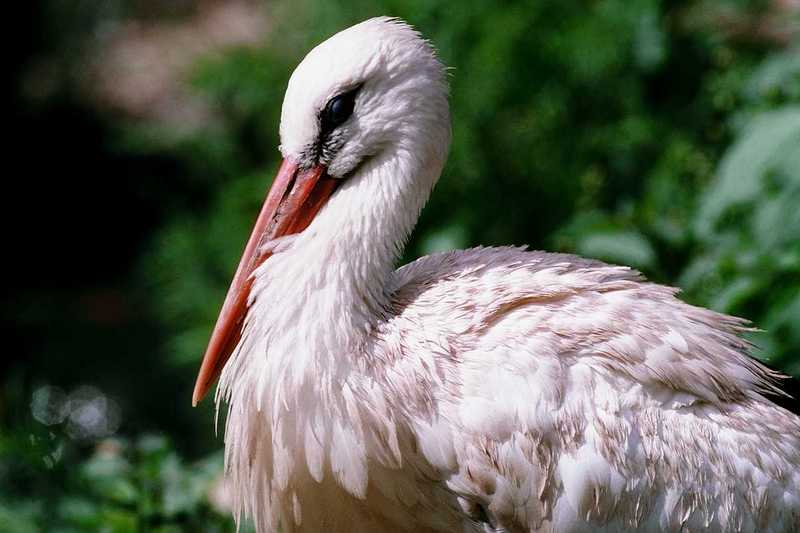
point(338, 110)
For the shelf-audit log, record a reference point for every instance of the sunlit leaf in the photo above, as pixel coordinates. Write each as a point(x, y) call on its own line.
point(743, 172)
point(620, 247)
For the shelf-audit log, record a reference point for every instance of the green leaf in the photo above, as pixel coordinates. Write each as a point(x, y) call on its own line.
point(777, 77)
point(19, 517)
point(767, 140)
point(620, 247)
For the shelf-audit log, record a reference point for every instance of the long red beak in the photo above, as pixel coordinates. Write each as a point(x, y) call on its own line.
point(294, 199)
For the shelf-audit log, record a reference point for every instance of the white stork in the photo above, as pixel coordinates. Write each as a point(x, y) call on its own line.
point(484, 390)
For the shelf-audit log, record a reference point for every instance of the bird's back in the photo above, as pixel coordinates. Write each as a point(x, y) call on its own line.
point(550, 391)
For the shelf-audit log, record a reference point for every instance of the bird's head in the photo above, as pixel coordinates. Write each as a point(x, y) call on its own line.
point(374, 89)
point(370, 87)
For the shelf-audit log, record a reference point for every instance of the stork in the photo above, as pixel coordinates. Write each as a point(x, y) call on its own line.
point(484, 390)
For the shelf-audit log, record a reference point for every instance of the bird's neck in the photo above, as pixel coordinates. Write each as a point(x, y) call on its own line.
point(306, 340)
point(314, 305)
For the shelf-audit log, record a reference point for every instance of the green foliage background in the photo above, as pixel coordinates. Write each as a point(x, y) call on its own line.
point(635, 132)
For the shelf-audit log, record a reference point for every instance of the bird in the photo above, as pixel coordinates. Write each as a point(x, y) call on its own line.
point(494, 389)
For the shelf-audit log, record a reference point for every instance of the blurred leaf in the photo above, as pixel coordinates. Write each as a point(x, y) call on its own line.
point(446, 239)
point(118, 521)
point(19, 518)
point(619, 247)
point(777, 78)
point(81, 512)
point(108, 475)
point(650, 40)
point(767, 141)
point(735, 294)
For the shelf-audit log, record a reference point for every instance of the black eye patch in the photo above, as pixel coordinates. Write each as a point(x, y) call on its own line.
point(338, 110)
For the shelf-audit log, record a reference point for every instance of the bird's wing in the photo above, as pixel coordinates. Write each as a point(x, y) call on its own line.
point(567, 393)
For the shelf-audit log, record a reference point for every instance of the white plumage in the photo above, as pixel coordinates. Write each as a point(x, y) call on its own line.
point(491, 389)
